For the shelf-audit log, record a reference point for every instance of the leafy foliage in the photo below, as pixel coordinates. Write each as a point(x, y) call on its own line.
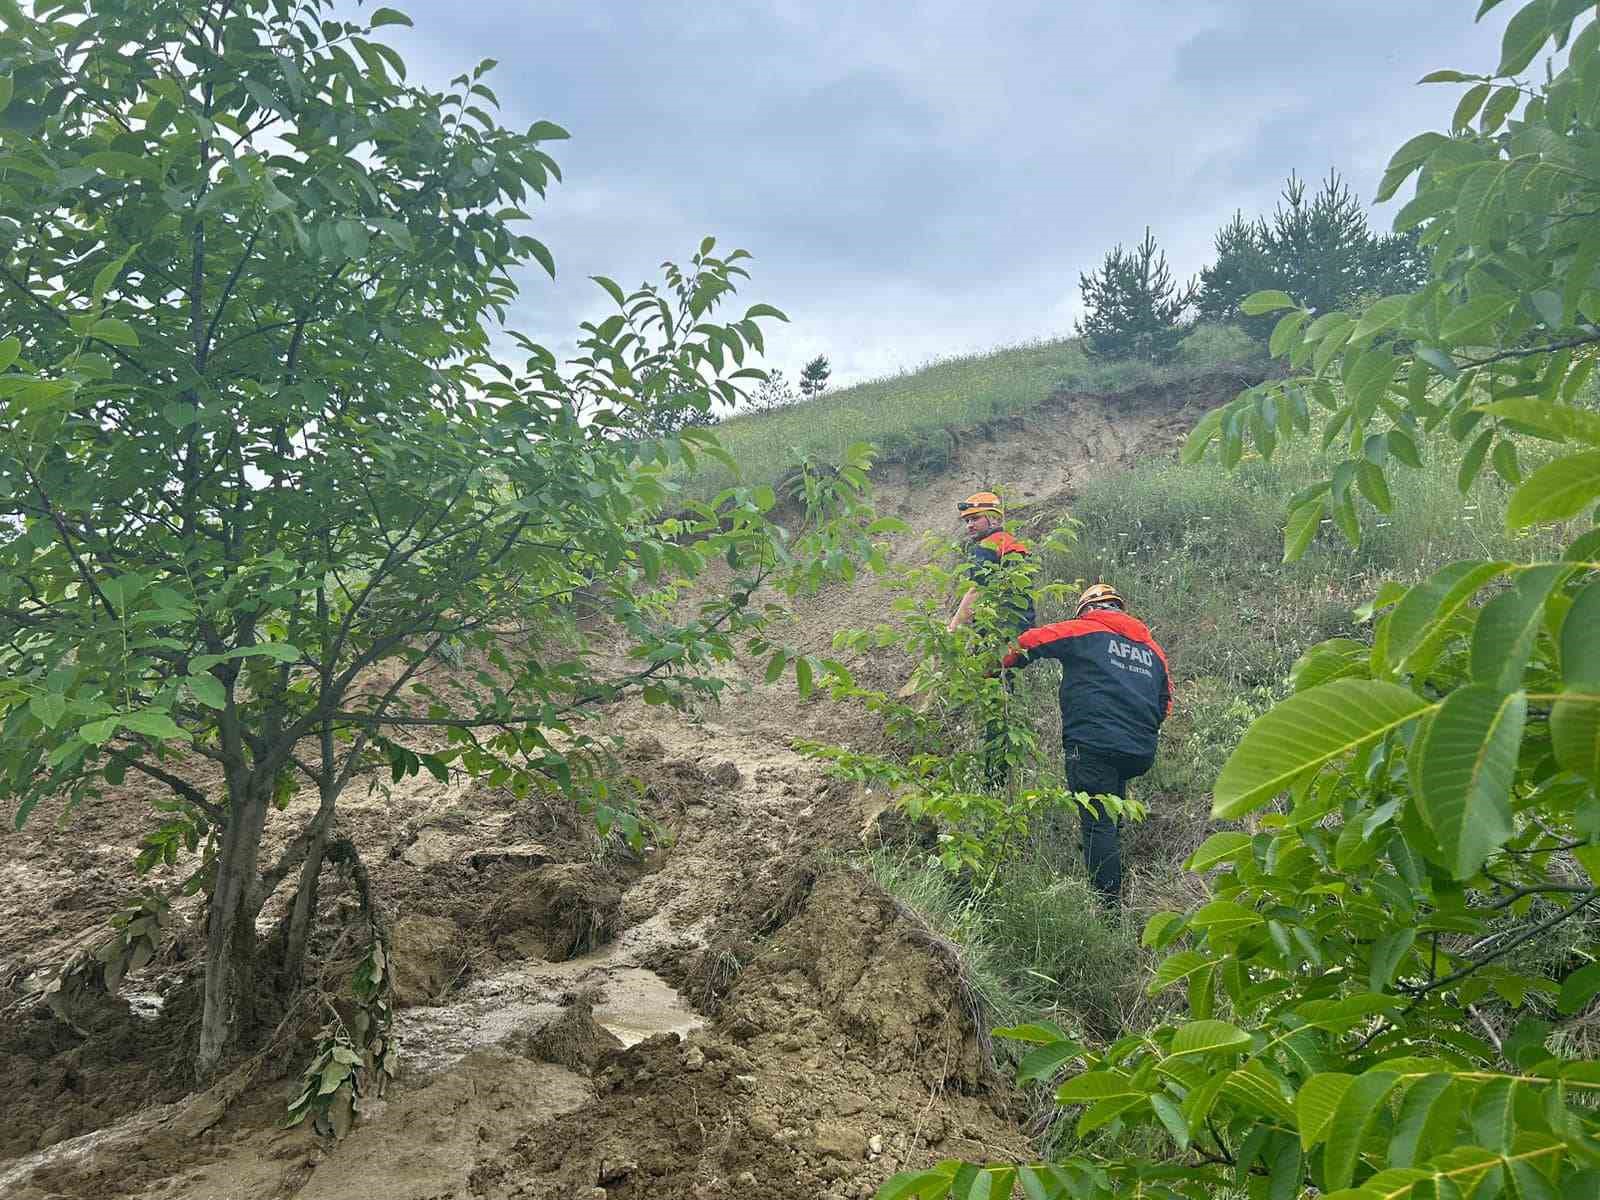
point(1374, 983)
point(257, 464)
point(1132, 307)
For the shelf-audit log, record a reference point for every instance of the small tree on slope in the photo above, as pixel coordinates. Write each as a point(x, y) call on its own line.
point(1132, 307)
point(256, 465)
point(814, 377)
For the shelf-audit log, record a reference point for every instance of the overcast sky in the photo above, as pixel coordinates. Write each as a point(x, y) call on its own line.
point(922, 179)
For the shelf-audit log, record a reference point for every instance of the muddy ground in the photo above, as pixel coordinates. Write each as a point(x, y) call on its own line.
point(730, 1011)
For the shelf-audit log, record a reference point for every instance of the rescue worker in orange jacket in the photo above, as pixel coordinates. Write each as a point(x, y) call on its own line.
point(989, 546)
point(1115, 692)
point(991, 551)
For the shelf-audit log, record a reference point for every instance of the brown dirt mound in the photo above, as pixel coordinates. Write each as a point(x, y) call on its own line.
point(557, 912)
point(58, 1084)
point(573, 1040)
point(845, 1052)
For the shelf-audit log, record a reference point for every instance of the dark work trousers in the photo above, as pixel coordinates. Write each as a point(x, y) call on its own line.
point(1103, 772)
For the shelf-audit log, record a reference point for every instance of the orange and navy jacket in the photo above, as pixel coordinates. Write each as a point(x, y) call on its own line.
point(1115, 690)
point(989, 554)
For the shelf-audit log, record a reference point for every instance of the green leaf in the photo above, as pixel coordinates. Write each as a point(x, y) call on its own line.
point(1387, 952)
point(1380, 315)
point(1428, 1112)
point(1222, 917)
point(1556, 491)
point(1557, 420)
point(1404, 447)
point(1359, 1105)
point(1219, 847)
point(6, 89)
point(541, 252)
point(1525, 33)
point(1578, 989)
point(1044, 1062)
point(1494, 1115)
point(1301, 529)
point(207, 689)
point(1473, 317)
point(120, 165)
point(1161, 928)
point(1316, 1103)
point(152, 723)
point(1575, 734)
point(97, 733)
point(1508, 626)
point(1370, 479)
point(1172, 1118)
point(1415, 625)
point(1097, 1085)
point(1285, 333)
point(917, 1185)
point(1368, 377)
point(1467, 107)
point(1259, 303)
point(1040, 1033)
point(1438, 360)
point(49, 708)
point(388, 16)
point(1205, 429)
point(1202, 1037)
point(547, 131)
point(611, 289)
point(277, 651)
point(115, 332)
point(1465, 760)
point(107, 275)
point(1306, 731)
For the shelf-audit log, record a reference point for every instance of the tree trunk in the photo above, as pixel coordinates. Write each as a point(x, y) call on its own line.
point(231, 935)
point(303, 916)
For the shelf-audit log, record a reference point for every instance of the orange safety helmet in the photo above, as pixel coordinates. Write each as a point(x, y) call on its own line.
point(978, 503)
point(1098, 593)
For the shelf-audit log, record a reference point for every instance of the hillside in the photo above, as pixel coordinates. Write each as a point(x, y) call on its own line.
point(778, 997)
point(829, 1036)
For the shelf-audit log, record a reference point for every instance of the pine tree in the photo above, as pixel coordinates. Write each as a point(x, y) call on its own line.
point(814, 377)
point(1132, 306)
point(1320, 250)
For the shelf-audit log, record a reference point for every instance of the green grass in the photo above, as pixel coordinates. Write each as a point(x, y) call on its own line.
point(909, 416)
point(1034, 942)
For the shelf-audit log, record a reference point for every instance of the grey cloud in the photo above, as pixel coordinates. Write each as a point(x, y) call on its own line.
point(923, 177)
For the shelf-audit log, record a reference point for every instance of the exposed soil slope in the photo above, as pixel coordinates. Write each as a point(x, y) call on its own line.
point(733, 1013)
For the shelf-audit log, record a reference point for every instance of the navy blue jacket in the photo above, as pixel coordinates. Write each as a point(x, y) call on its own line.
point(1115, 691)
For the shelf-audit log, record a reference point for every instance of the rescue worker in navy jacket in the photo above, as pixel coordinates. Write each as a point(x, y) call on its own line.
point(1115, 692)
point(991, 551)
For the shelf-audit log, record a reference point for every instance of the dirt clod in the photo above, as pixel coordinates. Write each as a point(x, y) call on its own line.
point(427, 958)
point(557, 912)
point(573, 1040)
